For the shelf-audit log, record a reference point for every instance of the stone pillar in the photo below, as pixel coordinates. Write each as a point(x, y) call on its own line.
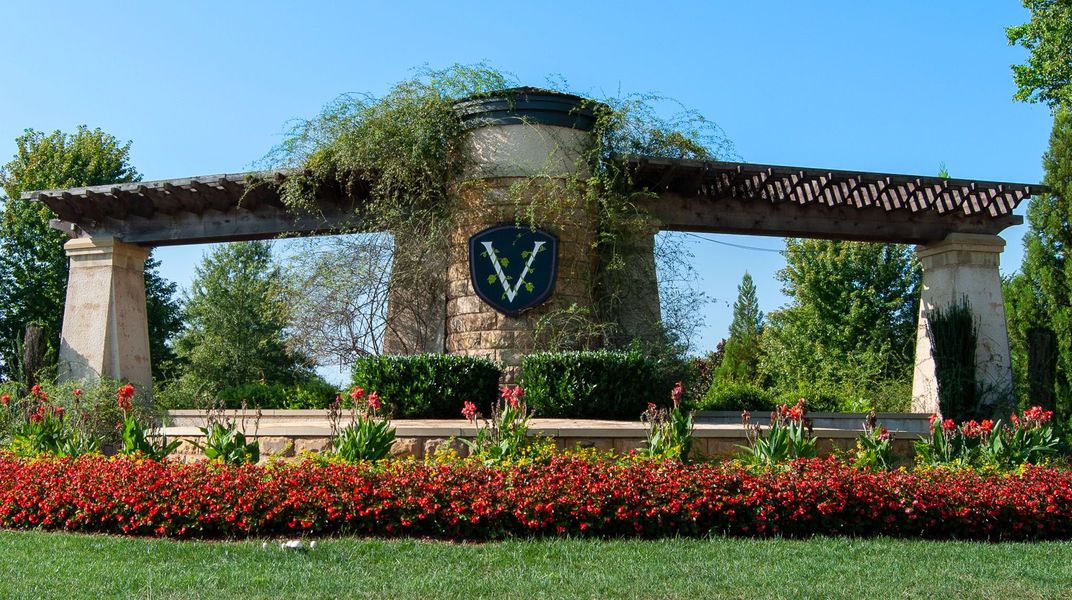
point(416, 302)
point(105, 327)
point(521, 163)
point(965, 267)
point(637, 311)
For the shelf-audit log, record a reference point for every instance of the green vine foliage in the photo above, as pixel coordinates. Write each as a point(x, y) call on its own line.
point(405, 153)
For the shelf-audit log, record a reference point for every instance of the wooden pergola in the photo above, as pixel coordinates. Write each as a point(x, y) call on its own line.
point(955, 223)
point(691, 195)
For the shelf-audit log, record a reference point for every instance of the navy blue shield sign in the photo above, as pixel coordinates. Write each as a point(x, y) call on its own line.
point(513, 268)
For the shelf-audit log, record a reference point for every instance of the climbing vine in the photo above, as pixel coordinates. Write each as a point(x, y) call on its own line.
point(404, 154)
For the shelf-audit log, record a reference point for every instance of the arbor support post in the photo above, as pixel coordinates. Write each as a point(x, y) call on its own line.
point(965, 267)
point(105, 326)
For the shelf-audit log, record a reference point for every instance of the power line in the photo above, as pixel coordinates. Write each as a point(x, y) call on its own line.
point(741, 246)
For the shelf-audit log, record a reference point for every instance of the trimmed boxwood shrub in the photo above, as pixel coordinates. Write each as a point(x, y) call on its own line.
point(727, 395)
point(594, 384)
point(429, 386)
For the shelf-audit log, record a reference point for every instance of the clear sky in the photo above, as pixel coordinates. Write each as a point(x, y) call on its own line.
point(207, 87)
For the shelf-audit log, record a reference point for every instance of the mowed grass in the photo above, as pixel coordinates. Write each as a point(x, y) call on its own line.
point(54, 565)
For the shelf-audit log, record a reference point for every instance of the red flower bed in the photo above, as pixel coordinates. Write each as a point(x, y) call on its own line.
point(567, 496)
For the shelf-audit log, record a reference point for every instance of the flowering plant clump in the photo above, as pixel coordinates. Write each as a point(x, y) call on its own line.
point(505, 436)
point(789, 437)
point(225, 442)
point(565, 496)
point(370, 436)
point(1027, 439)
point(669, 431)
point(874, 449)
point(44, 428)
point(135, 440)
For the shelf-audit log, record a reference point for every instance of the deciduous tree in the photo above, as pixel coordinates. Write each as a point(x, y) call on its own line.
point(1047, 75)
point(236, 321)
point(33, 265)
point(852, 320)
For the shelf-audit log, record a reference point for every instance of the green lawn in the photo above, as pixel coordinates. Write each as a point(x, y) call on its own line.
point(34, 565)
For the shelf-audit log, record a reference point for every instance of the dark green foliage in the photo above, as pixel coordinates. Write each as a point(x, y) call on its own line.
point(1042, 295)
point(953, 336)
point(33, 265)
point(165, 319)
point(225, 443)
point(429, 386)
point(1047, 75)
point(740, 355)
point(819, 398)
point(594, 384)
point(734, 396)
point(315, 393)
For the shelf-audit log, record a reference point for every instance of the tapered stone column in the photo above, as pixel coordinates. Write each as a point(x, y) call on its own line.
point(965, 267)
point(105, 327)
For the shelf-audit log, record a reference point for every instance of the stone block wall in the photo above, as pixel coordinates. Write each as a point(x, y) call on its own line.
point(426, 446)
point(476, 329)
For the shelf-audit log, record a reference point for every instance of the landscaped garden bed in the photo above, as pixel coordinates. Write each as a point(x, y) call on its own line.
point(974, 480)
point(566, 495)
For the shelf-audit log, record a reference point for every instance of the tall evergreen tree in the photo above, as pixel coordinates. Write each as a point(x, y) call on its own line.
point(1038, 296)
point(740, 356)
point(33, 265)
point(236, 321)
point(1042, 297)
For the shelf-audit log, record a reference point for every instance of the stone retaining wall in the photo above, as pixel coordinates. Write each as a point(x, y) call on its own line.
point(285, 434)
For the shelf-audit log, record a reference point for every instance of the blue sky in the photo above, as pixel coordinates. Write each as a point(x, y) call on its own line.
point(206, 87)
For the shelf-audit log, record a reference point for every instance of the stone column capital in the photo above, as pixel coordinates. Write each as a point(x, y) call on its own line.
point(106, 250)
point(962, 249)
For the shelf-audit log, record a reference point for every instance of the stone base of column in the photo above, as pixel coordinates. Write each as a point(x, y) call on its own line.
point(105, 326)
point(964, 267)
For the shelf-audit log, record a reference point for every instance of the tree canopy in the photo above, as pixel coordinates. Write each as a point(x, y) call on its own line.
point(236, 321)
point(851, 323)
point(1047, 75)
point(33, 265)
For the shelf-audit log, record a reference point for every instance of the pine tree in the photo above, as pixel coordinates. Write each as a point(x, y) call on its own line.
point(740, 357)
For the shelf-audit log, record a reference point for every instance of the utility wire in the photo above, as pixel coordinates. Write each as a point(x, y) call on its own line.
point(741, 246)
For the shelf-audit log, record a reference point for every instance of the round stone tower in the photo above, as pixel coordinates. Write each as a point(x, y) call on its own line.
point(528, 148)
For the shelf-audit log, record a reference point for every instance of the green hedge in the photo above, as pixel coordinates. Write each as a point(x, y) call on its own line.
point(738, 396)
point(595, 384)
point(429, 386)
point(311, 394)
